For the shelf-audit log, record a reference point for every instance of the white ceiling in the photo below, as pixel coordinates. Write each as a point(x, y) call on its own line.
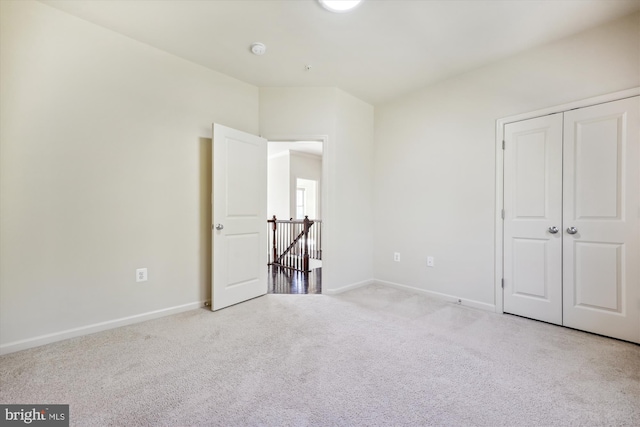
point(382, 49)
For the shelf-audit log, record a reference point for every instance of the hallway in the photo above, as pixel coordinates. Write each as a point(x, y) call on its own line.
point(286, 281)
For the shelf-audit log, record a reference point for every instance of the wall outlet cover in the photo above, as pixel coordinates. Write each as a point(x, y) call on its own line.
point(141, 275)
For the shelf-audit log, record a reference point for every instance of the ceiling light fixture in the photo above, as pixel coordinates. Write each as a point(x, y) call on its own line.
point(339, 5)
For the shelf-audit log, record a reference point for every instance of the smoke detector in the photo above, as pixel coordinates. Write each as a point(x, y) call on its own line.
point(258, 48)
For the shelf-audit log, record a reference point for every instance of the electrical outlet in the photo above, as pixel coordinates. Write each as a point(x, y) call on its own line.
point(396, 256)
point(141, 275)
point(430, 261)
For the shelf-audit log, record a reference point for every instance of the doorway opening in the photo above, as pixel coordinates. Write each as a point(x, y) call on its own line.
point(294, 207)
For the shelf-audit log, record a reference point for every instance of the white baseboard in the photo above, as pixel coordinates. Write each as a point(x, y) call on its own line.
point(348, 287)
point(445, 297)
point(96, 327)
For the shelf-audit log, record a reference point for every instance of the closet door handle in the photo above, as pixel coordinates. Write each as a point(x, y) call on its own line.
point(572, 230)
point(553, 230)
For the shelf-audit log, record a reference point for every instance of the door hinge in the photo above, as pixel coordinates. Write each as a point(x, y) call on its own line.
point(502, 214)
point(503, 144)
point(502, 283)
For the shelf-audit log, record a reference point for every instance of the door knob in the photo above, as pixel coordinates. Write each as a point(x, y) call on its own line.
point(553, 230)
point(572, 230)
point(219, 227)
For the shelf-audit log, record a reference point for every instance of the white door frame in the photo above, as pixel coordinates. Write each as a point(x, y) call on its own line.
point(498, 244)
point(324, 196)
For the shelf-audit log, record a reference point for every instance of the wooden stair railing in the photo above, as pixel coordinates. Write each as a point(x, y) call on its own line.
point(294, 242)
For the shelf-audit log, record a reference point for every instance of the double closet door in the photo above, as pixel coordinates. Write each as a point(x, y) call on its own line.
point(572, 219)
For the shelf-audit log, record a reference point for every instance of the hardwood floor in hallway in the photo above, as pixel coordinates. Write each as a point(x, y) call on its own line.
point(286, 281)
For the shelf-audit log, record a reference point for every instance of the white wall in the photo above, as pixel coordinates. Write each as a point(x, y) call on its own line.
point(299, 113)
point(278, 200)
point(306, 166)
point(351, 183)
point(105, 167)
point(284, 169)
point(435, 155)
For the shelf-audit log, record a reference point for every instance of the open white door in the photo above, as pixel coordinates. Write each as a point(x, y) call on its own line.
point(239, 231)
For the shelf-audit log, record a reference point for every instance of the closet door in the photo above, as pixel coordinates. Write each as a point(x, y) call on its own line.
point(601, 209)
point(533, 218)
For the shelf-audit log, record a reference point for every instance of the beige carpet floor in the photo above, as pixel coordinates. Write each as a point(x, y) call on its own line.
point(375, 356)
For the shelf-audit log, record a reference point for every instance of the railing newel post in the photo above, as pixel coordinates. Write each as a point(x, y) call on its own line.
point(306, 244)
point(275, 240)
